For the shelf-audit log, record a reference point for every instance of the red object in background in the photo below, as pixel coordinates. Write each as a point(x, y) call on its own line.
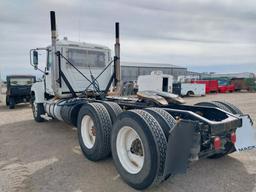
point(233, 137)
point(217, 143)
point(226, 88)
point(210, 85)
point(240, 84)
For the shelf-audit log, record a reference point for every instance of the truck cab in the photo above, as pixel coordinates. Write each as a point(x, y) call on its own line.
point(76, 58)
point(18, 89)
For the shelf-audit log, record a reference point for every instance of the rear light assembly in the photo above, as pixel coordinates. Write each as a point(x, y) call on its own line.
point(217, 143)
point(233, 137)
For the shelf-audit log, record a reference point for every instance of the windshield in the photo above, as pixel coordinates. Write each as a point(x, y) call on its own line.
point(86, 58)
point(223, 82)
point(21, 81)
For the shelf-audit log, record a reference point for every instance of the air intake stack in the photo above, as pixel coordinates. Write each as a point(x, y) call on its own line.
point(54, 68)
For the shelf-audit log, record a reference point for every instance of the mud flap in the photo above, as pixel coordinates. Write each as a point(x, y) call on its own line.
point(183, 139)
point(246, 135)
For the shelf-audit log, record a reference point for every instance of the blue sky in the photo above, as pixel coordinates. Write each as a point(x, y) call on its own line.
point(203, 35)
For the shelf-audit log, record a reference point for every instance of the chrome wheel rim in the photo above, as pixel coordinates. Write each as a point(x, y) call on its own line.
point(130, 150)
point(88, 131)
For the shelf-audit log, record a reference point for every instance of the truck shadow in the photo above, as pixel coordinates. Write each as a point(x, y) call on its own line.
point(224, 174)
point(21, 106)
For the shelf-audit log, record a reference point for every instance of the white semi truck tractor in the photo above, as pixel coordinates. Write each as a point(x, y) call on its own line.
point(150, 137)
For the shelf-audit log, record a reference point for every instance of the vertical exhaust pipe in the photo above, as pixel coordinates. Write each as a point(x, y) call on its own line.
point(117, 69)
point(54, 67)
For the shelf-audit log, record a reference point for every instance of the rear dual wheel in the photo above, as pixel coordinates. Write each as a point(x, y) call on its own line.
point(226, 106)
point(113, 109)
point(95, 122)
point(138, 141)
point(139, 144)
point(214, 104)
point(94, 129)
point(166, 121)
point(233, 109)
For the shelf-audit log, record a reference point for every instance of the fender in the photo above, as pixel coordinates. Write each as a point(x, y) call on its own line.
point(38, 90)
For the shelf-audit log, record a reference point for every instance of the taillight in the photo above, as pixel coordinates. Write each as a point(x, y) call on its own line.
point(217, 143)
point(233, 137)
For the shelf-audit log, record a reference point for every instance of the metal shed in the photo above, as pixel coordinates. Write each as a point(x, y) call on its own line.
point(131, 70)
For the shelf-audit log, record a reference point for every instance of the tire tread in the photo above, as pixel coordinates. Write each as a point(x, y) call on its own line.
point(113, 109)
point(160, 140)
point(166, 117)
point(233, 108)
point(106, 129)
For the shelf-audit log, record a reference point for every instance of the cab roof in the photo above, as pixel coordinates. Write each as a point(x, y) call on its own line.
point(20, 76)
point(69, 43)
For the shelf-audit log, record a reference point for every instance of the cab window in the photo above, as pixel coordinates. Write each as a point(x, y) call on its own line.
point(15, 81)
point(86, 58)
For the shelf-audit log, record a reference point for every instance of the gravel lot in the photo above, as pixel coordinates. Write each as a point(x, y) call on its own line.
point(46, 157)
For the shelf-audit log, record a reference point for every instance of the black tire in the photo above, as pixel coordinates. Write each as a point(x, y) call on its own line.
point(190, 93)
point(69, 112)
point(7, 100)
point(74, 113)
point(102, 123)
point(205, 104)
point(154, 144)
point(113, 109)
point(11, 103)
point(63, 112)
point(166, 121)
point(214, 104)
point(229, 147)
point(38, 110)
point(221, 106)
point(235, 110)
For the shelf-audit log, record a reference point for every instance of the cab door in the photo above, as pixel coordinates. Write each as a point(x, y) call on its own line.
point(48, 81)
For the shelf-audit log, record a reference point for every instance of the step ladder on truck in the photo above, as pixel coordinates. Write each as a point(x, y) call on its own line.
point(151, 136)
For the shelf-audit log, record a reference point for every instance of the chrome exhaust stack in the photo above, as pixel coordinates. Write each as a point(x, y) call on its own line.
point(54, 68)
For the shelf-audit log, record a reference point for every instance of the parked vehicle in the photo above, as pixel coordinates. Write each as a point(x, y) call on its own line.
point(18, 89)
point(240, 84)
point(156, 81)
point(210, 85)
point(187, 78)
point(251, 82)
point(150, 136)
point(189, 89)
point(224, 86)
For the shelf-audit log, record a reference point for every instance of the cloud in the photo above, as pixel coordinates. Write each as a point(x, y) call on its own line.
point(188, 33)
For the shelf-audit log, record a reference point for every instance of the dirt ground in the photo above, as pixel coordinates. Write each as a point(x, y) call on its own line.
point(46, 157)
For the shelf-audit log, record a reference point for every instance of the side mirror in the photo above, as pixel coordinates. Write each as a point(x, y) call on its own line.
point(35, 59)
